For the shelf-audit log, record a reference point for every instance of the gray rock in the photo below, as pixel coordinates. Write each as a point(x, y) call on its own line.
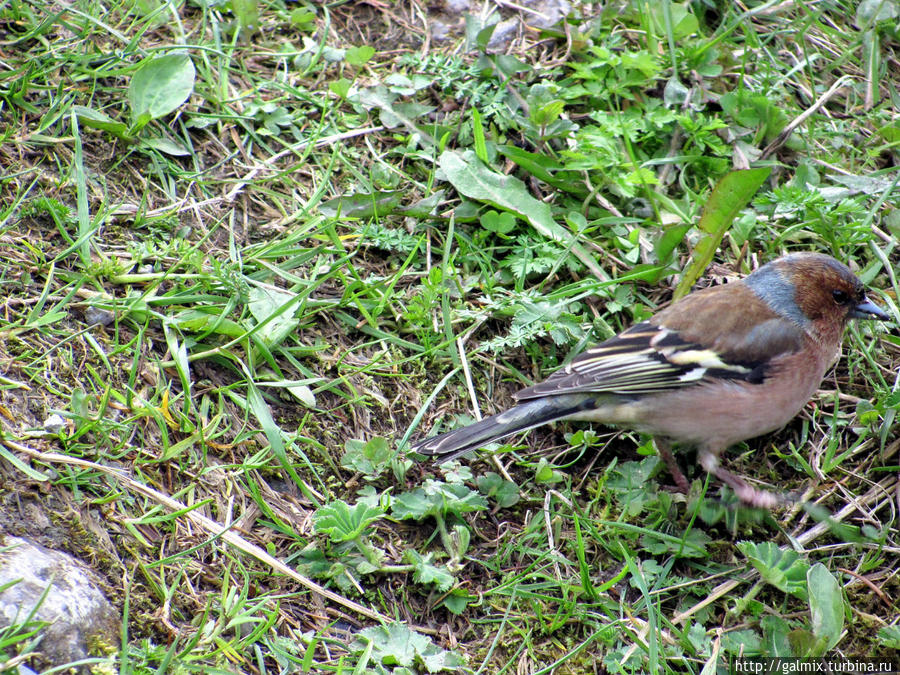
point(54, 424)
point(96, 316)
point(547, 13)
point(503, 34)
point(457, 6)
point(76, 611)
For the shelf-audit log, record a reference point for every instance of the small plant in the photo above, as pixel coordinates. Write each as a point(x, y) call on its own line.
point(371, 458)
point(395, 649)
point(441, 501)
point(159, 86)
point(814, 584)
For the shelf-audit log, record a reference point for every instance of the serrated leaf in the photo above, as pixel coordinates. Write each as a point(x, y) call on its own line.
point(313, 562)
point(436, 498)
point(457, 600)
point(342, 522)
point(782, 568)
point(397, 645)
point(370, 458)
point(425, 572)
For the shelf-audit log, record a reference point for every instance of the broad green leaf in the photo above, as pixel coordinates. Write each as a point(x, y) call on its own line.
point(474, 180)
point(889, 636)
point(666, 244)
point(874, 11)
point(397, 645)
point(341, 522)
point(436, 498)
point(681, 20)
point(505, 492)
point(744, 642)
point(545, 473)
point(341, 87)
point(457, 600)
point(775, 635)
point(303, 394)
point(246, 12)
point(756, 111)
point(160, 85)
point(692, 545)
point(362, 204)
point(544, 168)
point(268, 304)
point(782, 568)
point(403, 113)
point(98, 120)
point(167, 146)
point(357, 56)
point(198, 321)
point(424, 207)
point(371, 458)
point(455, 472)
point(303, 19)
point(730, 195)
point(826, 605)
point(428, 573)
point(802, 642)
point(312, 562)
point(498, 222)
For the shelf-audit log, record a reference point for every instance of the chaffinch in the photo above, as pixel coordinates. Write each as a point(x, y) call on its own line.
point(720, 366)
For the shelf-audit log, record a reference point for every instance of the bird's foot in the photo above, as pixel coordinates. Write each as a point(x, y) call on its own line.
point(749, 495)
point(665, 452)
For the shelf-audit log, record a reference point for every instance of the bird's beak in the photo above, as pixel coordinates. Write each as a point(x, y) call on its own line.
point(868, 310)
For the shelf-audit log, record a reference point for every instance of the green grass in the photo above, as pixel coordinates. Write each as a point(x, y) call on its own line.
point(251, 249)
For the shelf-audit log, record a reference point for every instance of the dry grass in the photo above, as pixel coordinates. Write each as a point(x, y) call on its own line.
point(130, 278)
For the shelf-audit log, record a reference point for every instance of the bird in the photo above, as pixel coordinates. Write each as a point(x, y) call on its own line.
point(719, 366)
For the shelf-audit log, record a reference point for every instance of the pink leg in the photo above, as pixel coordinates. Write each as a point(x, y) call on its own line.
point(664, 449)
point(748, 494)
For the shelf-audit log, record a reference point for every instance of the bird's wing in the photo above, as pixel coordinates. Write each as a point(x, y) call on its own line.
point(677, 349)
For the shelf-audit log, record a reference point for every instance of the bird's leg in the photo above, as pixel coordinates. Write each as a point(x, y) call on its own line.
point(761, 499)
point(664, 448)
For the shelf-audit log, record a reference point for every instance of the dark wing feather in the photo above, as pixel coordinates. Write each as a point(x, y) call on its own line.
point(653, 357)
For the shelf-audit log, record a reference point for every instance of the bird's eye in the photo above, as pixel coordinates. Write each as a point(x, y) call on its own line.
point(840, 297)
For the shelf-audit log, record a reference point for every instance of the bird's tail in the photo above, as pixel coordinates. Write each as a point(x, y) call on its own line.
point(524, 416)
